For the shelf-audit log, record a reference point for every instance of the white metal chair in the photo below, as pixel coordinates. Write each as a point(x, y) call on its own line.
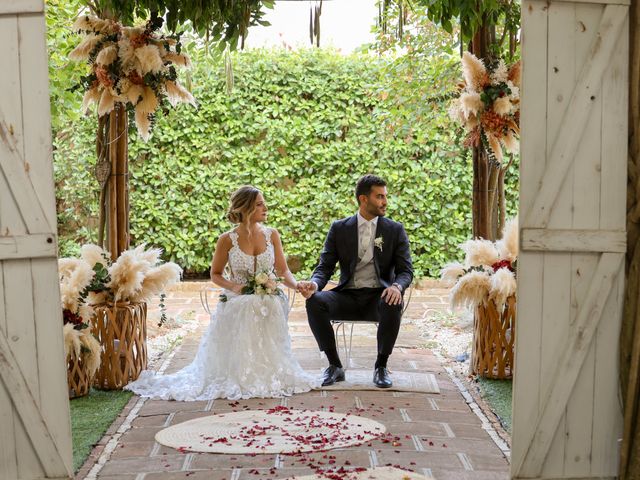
point(340, 327)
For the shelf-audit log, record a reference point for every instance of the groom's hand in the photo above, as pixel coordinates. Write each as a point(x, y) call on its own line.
point(306, 288)
point(392, 295)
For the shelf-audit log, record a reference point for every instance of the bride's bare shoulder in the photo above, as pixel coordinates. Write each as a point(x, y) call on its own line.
point(273, 233)
point(224, 239)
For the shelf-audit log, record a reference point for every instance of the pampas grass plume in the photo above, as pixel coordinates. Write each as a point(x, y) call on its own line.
point(502, 106)
point(474, 72)
point(84, 48)
point(500, 74)
point(178, 58)
point(479, 252)
point(496, 147)
point(503, 285)
point(149, 58)
point(107, 55)
point(85, 311)
point(508, 245)
point(471, 103)
point(472, 289)
point(92, 254)
point(451, 272)
point(127, 55)
point(77, 276)
point(107, 102)
point(96, 298)
point(134, 93)
point(176, 93)
point(92, 357)
point(66, 266)
point(157, 279)
point(90, 96)
point(151, 256)
point(143, 124)
point(84, 22)
point(71, 340)
point(510, 142)
point(127, 275)
point(149, 101)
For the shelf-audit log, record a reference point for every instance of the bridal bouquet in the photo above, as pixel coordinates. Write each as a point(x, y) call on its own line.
point(489, 105)
point(260, 283)
point(130, 65)
point(488, 272)
point(136, 276)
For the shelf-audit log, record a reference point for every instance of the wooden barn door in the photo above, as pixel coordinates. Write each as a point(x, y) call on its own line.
point(35, 437)
point(567, 414)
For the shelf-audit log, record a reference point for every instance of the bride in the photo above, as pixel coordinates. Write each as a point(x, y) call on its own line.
point(246, 350)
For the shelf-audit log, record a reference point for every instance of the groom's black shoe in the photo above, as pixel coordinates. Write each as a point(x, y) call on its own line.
point(381, 378)
point(332, 375)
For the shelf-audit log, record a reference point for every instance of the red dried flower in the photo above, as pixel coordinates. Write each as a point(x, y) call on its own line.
point(103, 76)
point(502, 264)
point(69, 317)
point(138, 41)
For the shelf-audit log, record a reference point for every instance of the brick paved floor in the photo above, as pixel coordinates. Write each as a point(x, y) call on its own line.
point(437, 434)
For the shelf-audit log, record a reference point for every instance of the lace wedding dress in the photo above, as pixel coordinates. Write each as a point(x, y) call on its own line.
point(246, 350)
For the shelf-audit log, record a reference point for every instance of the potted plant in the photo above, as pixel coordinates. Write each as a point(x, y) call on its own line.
point(115, 299)
point(486, 283)
point(82, 350)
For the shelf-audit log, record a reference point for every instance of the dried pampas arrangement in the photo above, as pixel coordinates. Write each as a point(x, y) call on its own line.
point(488, 272)
point(489, 105)
point(82, 343)
point(130, 65)
point(136, 276)
point(76, 277)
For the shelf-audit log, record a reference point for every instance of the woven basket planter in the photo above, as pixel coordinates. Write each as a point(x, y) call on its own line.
point(121, 329)
point(493, 340)
point(78, 379)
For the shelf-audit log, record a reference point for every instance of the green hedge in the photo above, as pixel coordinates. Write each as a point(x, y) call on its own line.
point(300, 126)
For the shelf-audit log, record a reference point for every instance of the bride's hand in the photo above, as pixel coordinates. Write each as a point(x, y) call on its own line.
point(237, 288)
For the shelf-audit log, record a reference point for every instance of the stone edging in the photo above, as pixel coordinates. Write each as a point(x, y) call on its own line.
point(487, 425)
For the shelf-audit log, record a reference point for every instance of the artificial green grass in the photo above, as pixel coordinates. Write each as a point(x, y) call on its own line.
point(497, 393)
point(91, 416)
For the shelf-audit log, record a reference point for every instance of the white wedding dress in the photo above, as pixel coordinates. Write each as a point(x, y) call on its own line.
point(246, 350)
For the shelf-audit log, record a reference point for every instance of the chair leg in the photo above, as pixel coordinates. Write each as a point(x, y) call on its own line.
point(348, 354)
point(340, 326)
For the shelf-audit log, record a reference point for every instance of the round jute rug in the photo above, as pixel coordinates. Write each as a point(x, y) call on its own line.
point(278, 430)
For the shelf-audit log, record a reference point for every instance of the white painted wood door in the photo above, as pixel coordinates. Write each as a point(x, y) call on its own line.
point(35, 433)
point(566, 412)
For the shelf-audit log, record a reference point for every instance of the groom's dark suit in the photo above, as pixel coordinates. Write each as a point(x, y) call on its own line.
point(392, 265)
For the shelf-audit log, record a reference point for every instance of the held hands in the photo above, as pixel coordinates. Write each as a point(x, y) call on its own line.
point(392, 295)
point(237, 288)
point(306, 288)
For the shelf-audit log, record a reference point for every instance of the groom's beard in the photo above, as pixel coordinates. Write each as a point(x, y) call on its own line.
point(377, 211)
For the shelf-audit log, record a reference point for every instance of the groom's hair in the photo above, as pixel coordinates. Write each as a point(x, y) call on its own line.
point(363, 187)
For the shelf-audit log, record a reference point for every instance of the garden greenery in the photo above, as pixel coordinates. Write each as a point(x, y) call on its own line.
point(303, 127)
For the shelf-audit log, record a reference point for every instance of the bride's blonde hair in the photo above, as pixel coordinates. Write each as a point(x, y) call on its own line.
point(242, 204)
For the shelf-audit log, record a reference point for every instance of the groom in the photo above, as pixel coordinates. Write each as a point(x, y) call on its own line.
point(375, 269)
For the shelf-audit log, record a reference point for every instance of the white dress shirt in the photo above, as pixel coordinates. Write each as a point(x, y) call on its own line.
point(364, 274)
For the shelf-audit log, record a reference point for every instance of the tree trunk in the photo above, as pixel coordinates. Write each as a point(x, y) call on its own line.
point(482, 208)
point(117, 185)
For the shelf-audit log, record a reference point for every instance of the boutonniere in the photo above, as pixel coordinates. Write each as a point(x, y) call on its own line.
point(378, 242)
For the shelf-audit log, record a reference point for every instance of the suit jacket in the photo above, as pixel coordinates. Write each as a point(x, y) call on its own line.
point(392, 262)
